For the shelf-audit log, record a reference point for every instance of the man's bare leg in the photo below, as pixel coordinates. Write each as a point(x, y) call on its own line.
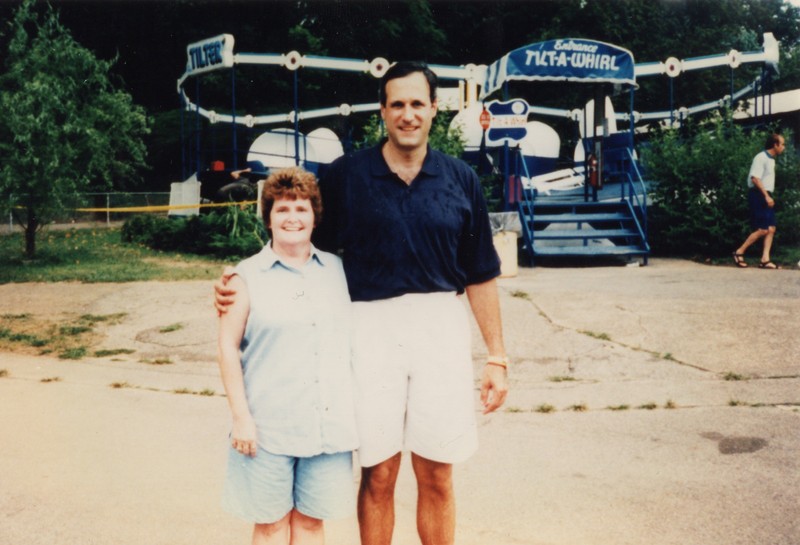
point(376, 501)
point(752, 239)
point(436, 505)
point(765, 254)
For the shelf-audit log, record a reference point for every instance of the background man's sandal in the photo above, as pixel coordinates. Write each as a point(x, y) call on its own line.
point(739, 260)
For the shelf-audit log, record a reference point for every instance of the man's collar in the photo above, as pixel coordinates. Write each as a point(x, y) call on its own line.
point(380, 168)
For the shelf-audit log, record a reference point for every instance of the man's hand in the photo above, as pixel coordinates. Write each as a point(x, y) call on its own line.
point(770, 201)
point(223, 295)
point(494, 387)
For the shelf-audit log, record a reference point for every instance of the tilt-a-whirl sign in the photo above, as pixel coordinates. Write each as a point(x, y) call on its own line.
point(571, 59)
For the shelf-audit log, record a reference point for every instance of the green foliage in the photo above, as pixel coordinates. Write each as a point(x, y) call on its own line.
point(443, 137)
point(447, 139)
point(699, 202)
point(97, 255)
point(234, 233)
point(65, 127)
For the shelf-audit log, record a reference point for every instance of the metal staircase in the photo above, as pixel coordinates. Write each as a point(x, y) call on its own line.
point(611, 221)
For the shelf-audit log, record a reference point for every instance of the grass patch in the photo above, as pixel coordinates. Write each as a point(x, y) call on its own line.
point(112, 352)
point(733, 376)
point(64, 334)
point(75, 353)
point(171, 328)
point(72, 330)
point(670, 404)
point(119, 385)
point(51, 379)
point(545, 408)
point(579, 408)
point(513, 410)
point(156, 361)
point(27, 339)
point(618, 407)
point(97, 318)
point(600, 336)
point(519, 294)
point(737, 403)
point(96, 255)
point(3, 373)
point(648, 406)
point(206, 392)
point(561, 379)
point(668, 356)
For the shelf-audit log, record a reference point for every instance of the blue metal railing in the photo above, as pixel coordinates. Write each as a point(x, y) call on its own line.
point(640, 196)
point(636, 197)
point(633, 192)
point(525, 206)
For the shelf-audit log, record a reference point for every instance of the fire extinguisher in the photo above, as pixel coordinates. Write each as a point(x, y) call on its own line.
point(591, 166)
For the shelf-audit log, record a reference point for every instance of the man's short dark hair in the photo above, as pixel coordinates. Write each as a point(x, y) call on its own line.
point(772, 141)
point(406, 68)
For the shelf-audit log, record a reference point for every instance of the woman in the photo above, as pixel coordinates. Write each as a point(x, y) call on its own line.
point(284, 356)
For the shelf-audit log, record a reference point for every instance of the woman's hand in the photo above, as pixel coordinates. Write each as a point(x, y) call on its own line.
point(243, 436)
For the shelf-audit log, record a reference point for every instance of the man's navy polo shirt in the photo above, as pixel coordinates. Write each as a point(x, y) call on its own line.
point(430, 236)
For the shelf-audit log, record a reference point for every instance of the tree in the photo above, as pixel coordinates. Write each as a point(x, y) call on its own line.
point(65, 127)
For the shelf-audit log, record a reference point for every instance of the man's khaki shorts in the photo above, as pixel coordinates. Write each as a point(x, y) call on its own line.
point(414, 384)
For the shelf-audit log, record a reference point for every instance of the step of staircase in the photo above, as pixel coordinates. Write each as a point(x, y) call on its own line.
point(579, 218)
point(569, 228)
point(571, 234)
point(591, 250)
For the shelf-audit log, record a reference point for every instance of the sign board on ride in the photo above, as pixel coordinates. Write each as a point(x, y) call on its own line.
point(507, 121)
point(210, 54)
point(570, 59)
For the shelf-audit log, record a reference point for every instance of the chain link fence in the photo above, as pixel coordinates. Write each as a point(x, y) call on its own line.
point(104, 209)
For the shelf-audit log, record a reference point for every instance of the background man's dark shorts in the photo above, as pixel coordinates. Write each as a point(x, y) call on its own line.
point(761, 215)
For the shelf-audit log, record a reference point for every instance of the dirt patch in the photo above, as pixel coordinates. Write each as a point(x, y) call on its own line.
point(145, 324)
point(67, 335)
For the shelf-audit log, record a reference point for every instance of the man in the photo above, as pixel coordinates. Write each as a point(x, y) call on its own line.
point(761, 184)
point(413, 230)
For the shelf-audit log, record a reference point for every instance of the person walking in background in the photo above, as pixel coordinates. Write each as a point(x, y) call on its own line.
point(284, 356)
point(413, 229)
point(761, 184)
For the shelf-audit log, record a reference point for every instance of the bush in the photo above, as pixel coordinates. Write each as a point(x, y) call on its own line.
point(699, 202)
point(234, 233)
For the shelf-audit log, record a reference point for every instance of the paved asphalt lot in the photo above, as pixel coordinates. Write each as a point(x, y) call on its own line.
point(647, 442)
